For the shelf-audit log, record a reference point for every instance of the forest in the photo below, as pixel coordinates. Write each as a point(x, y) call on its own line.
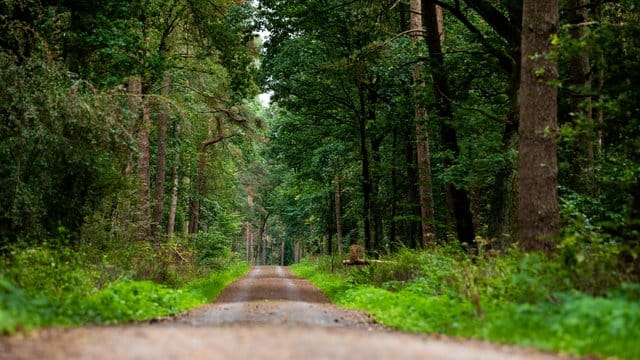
point(483, 155)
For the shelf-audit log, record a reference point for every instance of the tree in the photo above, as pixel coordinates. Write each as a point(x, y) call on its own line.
point(338, 206)
point(538, 216)
point(580, 104)
point(422, 137)
point(161, 164)
point(459, 198)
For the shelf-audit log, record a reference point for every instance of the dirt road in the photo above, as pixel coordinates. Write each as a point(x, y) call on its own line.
point(268, 314)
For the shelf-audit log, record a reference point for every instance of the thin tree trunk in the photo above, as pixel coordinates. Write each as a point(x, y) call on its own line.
point(413, 234)
point(144, 173)
point(422, 138)
point(376, 207)
point(337, 197)
point(282, 253)
point(394, 191)
point(265, 241)
point(134, 89)
point(459, 196)
point(194, 217)
point(173, 204)
point(249, 232)
point(366, 175)
point(580, 79)
point(195, 203)
point(538, 217)
point(261, 242)
point(249, 238)
point(501, 215)
point(161, 165)
point(598, 84)
point(331, 223)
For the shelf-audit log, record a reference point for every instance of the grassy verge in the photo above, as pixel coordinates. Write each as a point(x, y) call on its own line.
point(517, 299)
point(68, 297)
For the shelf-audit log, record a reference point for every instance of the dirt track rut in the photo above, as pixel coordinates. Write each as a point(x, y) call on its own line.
point(271, 295)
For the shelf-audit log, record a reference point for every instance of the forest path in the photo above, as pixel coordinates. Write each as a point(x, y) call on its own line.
point(268, 314)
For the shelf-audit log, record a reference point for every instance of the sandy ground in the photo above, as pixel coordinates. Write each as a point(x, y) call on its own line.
point(268, 314)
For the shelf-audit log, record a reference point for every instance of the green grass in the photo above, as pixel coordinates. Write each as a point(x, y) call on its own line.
point(119, 301)
point(520, 299)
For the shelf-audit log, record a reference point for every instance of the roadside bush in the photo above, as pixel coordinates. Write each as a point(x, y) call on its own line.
point(516, 298)
point(63, 285)
point(25, 306)
point(213, 249)
point(15, 308)
point(49, 272)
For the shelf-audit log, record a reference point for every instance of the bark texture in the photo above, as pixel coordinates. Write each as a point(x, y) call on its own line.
point(202, 162)
point(338, 205)
point(144, 171)
point(538, 217)
point(366, 171)
point(161, 165)
point(458, 196)
point(173, 203)
point(249, 233)
point(142, 126)
point(422, 138)
point(502, 216)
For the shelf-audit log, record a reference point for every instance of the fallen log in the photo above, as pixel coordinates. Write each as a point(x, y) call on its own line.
point(350, 262)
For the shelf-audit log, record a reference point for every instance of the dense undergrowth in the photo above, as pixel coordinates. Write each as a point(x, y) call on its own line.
point(60, 286)
point(518, 298)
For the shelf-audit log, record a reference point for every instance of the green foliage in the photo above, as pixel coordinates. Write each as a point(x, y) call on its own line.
point(60, 150)
point(16, 309)
point(576, 323)
point(127, 300)
point(46, 287)
point(521, 299)
point(214, 250)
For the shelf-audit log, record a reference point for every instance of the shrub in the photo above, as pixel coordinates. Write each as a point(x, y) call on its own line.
point(517, 298)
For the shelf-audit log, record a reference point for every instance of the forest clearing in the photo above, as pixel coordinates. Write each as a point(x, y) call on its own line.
point(451, 179)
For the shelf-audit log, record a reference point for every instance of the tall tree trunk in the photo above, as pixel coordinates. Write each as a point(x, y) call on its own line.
point(502, 216)
point(337, 201)
point(282, 248)
point(194, 216)
point(503, 196)
point(413, 234)
point(376, 207)
point(195, 203)
point(598, 84)
point(580, 74)
point(538, 217)
point(134, 90)
point(249, 231)
point(394, 191)
point(366, 174)
point(265, 241)
point(422, 138)
point(173, 203)
point(249, 239)
point(261, 243)
point(330, 223)
point(144, 173)
point(459, 196)
point(161, 165)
